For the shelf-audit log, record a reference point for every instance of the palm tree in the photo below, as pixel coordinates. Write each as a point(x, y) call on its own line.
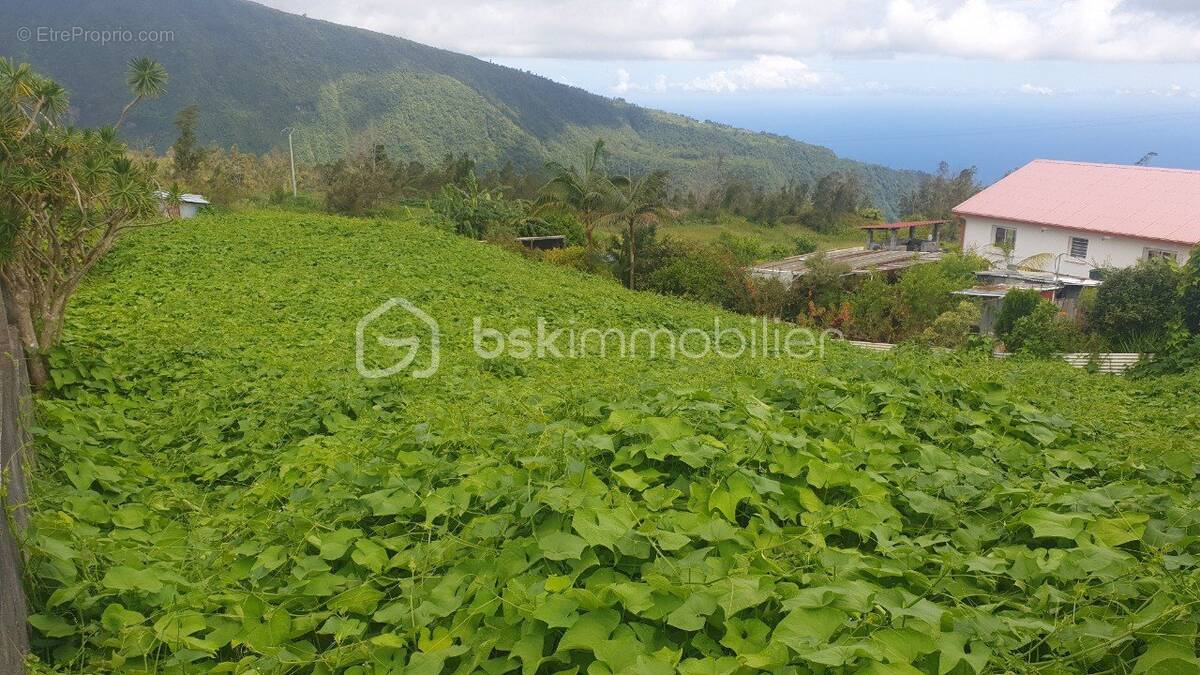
point(635, 203)
point(584, 192)
point(1034, 263)
point(146, 79)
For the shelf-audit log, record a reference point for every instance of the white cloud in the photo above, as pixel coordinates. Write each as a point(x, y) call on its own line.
point(1081, 30)
point(764, 73)
point(624, 82)
point(1036, 89)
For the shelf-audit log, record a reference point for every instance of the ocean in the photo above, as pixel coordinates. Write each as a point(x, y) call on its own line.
point(994, 134)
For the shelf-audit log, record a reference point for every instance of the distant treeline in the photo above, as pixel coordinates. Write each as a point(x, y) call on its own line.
point(368, 177)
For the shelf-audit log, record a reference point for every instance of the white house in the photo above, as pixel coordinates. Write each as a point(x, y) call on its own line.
point(189, 204)
point(1073, 217)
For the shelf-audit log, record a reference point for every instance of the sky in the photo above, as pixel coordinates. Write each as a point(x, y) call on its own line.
point(992, 83)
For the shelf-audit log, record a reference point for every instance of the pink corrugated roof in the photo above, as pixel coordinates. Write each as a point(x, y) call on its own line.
point(1129, 201)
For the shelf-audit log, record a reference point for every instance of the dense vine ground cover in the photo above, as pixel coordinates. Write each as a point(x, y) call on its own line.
point(219, 490)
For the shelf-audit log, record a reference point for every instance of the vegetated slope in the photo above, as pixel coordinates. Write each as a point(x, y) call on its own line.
point(254, 70)
point(218, 484)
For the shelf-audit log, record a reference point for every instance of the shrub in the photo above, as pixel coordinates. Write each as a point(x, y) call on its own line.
point(1043, 332)
point(804, 244)
point(556, 223)
point(900, 311)
point(355, 186)
point(743, 249)
point(1136, 306)
point(823, 286)
point(1179, 360)
point(1017, 303)
point(872, 310)
point(705, 273)
point(1191, 292)
point(769, 297)
point(580, 258)
point(954, 328)
point(777, 251)
point(300, 202)
point(924, 292)
point(1084, 307)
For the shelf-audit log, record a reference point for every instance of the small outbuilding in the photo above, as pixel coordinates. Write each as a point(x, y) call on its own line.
point(189, 204)
point(1062, 289)
point(887, 252)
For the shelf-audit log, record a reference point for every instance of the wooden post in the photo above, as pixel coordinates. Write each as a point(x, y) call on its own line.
point(15, 399)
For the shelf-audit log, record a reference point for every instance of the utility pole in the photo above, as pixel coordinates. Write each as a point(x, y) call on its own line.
point(292, 155)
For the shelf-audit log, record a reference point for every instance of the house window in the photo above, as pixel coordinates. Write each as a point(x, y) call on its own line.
point(1157, 253)
point(1005, 236)
point(1078, 248)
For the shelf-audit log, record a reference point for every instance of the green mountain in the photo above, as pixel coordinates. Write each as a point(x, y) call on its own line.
point(254, 70)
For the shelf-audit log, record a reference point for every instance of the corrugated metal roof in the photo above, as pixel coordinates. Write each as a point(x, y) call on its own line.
point(904, 224)
point(1128, 201)
point(858, 259)
point(1001, 290)
point(186, 197)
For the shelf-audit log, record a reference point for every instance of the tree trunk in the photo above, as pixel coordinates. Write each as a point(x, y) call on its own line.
point(632, 255)
point(589, 229)
point(125, 111)
point(39, 371)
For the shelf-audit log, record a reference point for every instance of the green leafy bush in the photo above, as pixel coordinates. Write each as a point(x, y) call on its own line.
point(1043, 332)
point(1017, 303)
point(743, 249)
point(894, 312)
point(357, 185)
point(1181, 359)
point(803, 244)
point(953, 328)
point(823, 286)
point(1191, 292)
point(872, 310)
point(1136, 306)
point(579, 258)
point(710, 274)
point(770, 297)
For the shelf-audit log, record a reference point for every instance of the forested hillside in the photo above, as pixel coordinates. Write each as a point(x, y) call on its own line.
point(254, 70)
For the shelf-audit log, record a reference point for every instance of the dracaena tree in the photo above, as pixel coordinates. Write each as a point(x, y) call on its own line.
point(146, 79)
point(66, 195)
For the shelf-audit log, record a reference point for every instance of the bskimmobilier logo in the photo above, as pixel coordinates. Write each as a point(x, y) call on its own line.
point(412, 343)
point(728, 339)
